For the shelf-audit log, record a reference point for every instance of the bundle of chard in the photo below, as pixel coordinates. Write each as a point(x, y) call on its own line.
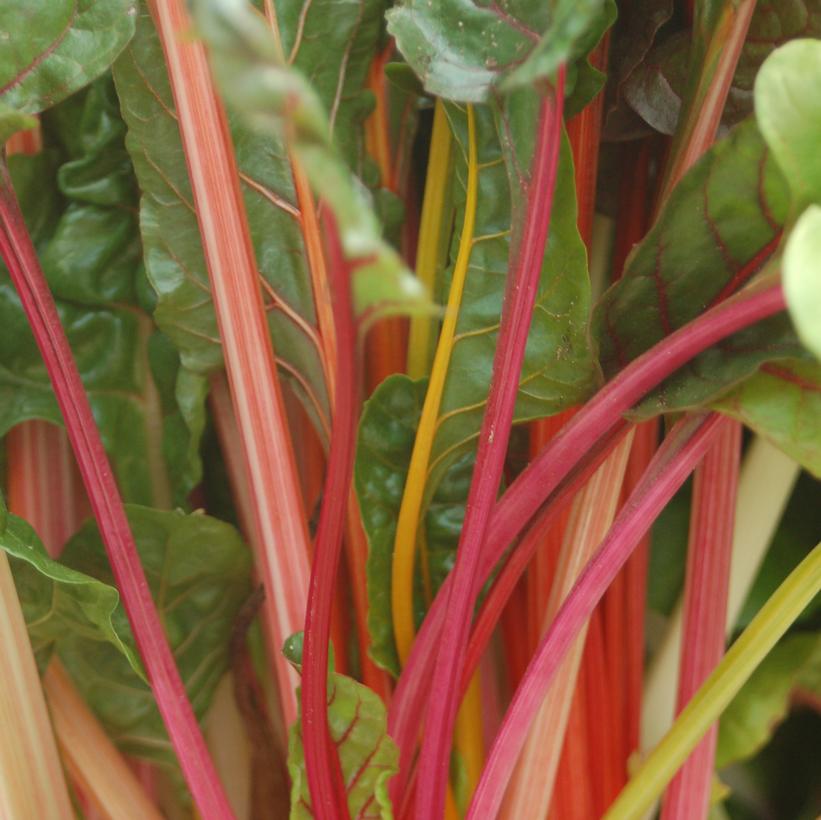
point(410, 409)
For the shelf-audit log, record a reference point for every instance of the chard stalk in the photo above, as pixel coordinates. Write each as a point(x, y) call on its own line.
point(741, 660)
point(674, 461)
point(276, 500)
point(325, 781)
point(21, 260)
point(493, 440)
point(705, 605)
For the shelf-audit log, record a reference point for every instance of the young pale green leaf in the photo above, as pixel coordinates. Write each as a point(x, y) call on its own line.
point(58, 601)
point(174, 259)
point(461, 50)
point(801, 273)
point(369, 758)
point(386, 434)
point(86, 232)
point(277, 99)
point(756, 711)
point(199, 572)
point(56, 47)
point(788, 110)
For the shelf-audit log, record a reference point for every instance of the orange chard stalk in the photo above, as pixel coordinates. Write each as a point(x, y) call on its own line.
point(276, 502)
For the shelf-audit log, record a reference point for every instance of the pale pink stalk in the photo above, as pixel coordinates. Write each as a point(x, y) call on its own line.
point(517, 312)
point(675, 460)
point(252, 376)
point(706, 589)
point(592, 513)
point(583, 434)
point(21, 260)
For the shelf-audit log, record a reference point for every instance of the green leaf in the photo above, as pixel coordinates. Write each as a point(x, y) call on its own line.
point(756, 711)
point(461, 50)
point(55, 47)
point(12, 121)
point(386, 434)
point(88, 242)
point(369, 758)
point(801, 273)
point(782, 402)
point(788, 111)
point(198, 570)
point(275, 98)
point(59, 601)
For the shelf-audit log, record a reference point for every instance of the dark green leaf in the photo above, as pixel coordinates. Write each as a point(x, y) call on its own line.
point(198, 570)
point(756, 711)
point(90, 251)
point(369, 758)
point(53, 48)
point(461, 50)
point(58, 601)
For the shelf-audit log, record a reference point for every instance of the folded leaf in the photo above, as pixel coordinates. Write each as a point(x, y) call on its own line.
point(802, 277)
point(58, 601)
point(756, 711)
point(461, 50)
point(89, 247)
point(358, 724)
point(199, 572)
point(59, 46)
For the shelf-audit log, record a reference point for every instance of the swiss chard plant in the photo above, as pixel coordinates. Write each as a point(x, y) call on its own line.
point(410, 409)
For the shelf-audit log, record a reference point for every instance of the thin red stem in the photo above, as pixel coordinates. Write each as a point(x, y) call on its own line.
point(325, 781)
point(675, 460)
point(169, 692)
point(493, 440)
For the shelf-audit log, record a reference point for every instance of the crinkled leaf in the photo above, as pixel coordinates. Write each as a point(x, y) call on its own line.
point(801, 273)
point(359, 729)
point(718, 227)
point(788, 110)
point(174, 260)
point(59, 601)
point(275, 98)
point(756, 711)
point(386, 434)
point(53, 48)
point(461, 50)
point(198, 570)
point(783, 403)
point(88, 242)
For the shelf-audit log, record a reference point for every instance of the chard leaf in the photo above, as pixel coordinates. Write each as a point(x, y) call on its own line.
point(789, 115)
point(756, 711)
point(198, 570)
point(53, 48)
point(782, 402)
point(801, 272)
point(58, 601)
point(276, 99)
point(368, 756)
point(12, 121)
point(718, 227)
point(174, 259)
point(87, 238)
point(462, 50)
point(386, 435)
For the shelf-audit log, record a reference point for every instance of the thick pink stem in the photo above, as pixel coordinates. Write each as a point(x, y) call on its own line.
point(169, 692)
point(705, 610)
point(325, 781)
point(493, 440)
point(675, 460)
